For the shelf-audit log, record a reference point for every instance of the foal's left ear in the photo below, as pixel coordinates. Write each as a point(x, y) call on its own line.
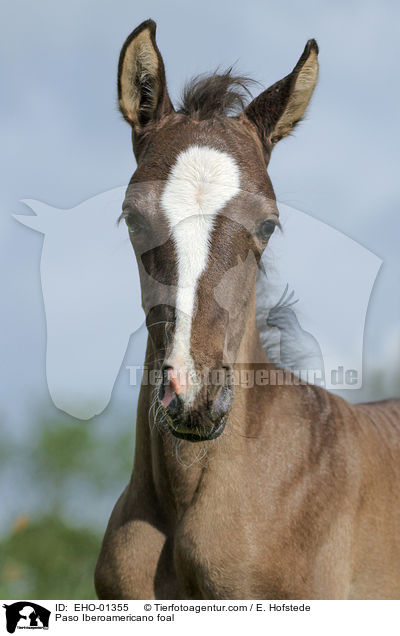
point(278, 109)
point(142, 89)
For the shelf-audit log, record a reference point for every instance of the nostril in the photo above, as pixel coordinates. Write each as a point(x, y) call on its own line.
point(169, 396)
point(222, 402)
point(176, 378)
point(173, 406)
point(166, 393)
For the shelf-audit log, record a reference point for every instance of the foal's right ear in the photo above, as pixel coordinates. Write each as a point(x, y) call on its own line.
point(142, 89)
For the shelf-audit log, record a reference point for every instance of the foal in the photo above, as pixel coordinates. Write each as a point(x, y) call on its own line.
point(279, 492)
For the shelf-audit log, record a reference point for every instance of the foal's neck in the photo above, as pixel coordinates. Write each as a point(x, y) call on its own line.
point(176, 466)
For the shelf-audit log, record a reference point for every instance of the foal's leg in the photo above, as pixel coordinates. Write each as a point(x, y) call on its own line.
point(135, 561)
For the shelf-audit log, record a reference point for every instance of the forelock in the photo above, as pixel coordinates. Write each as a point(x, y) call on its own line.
point(206, 96)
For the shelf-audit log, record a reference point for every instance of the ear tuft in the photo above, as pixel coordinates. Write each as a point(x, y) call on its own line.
point(142, 90)
point(278, 109)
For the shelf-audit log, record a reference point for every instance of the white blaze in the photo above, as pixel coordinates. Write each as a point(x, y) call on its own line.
point(200, 184)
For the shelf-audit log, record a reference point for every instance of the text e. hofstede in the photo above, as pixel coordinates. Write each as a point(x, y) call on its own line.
point(282, 607)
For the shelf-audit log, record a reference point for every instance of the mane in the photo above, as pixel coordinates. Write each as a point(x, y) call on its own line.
point(206, 96)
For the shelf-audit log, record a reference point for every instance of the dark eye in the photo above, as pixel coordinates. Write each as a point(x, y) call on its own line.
point(135, 222)
point(265, 230)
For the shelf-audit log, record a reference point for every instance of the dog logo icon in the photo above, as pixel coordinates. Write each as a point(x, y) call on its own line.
point(26, 615)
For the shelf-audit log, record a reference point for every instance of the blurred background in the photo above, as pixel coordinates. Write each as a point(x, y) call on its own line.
point(63, 141)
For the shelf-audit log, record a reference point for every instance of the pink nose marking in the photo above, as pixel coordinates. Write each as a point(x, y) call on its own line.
point(175, 384)
point(169, 395)
point(177, 380)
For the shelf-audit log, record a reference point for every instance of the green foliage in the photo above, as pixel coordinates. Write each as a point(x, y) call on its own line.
point(48, 560)
point(68, 452)
point(62, 481)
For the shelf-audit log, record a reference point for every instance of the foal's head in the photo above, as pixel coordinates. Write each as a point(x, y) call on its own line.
point(199, 205)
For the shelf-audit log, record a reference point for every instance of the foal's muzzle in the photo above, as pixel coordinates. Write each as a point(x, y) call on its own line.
point(202, 420)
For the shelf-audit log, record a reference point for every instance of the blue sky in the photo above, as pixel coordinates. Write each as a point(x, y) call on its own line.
point(64, 141)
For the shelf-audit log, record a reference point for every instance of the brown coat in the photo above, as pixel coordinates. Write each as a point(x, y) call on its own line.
point(289, 492)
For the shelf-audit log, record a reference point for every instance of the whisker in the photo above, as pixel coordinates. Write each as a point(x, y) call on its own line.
point(160, 322)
